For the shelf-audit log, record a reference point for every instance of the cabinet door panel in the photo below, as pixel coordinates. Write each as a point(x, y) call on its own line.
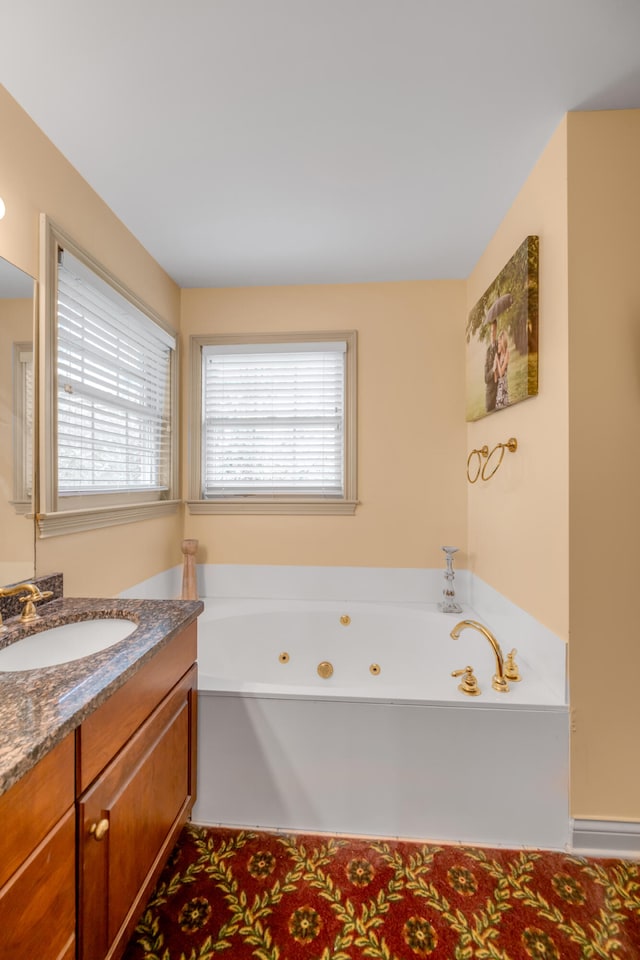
point(144, 797)
point(37, 906)
point(34, 804)
point(142, 816)
point(109, 728)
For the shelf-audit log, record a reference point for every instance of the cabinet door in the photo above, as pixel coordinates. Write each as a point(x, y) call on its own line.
point(129, 821)
point(37, 905)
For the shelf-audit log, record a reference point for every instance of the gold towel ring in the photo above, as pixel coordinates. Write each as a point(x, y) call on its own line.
point(482, 452)
point(485, 475)
point(511, 445)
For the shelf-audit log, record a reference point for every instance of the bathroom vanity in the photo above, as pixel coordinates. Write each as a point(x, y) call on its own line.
point(98, 774)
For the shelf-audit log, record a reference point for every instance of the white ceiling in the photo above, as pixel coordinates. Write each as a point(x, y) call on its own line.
point(310, 141)
point(14, 283)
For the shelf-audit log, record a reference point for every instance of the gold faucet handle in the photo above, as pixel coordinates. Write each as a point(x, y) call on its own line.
point(469, 682)
point(29, 614)
point(38, 596)
point(511, 670)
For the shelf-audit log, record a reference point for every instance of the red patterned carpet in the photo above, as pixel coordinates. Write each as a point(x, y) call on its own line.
point(249, 894)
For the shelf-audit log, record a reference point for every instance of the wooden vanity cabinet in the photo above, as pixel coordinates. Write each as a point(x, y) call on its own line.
point(38, 861)
point(136, 774)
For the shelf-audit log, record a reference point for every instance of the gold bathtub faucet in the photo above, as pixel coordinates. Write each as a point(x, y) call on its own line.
point(499, 682)
point(32, 595)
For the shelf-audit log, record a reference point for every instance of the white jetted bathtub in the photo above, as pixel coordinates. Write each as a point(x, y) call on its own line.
point(344, 717)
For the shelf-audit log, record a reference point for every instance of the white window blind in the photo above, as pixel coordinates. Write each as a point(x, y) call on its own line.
point(273, 419)
point(23, 421)
point(114, 387)
point(26, 365)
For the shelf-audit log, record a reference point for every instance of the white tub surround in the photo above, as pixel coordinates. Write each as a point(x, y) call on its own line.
point(366, 584)
point(544, 653)
point(401, 752)
point(514, 627)
point(164, 586)
point(483, 775)
point(390, 652)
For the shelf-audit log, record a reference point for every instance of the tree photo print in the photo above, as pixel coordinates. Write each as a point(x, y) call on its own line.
point(502, 337)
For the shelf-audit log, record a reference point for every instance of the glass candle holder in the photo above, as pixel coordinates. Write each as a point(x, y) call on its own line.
point(449, 604)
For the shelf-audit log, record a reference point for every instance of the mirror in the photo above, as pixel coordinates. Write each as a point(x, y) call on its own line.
point(17, 553)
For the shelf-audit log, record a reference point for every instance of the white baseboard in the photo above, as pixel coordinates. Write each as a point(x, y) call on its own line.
point(605, 838)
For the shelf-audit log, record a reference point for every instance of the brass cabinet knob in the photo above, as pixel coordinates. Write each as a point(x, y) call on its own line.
point(99, 830)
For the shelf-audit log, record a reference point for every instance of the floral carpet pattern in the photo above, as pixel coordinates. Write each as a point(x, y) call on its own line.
point(251, 895)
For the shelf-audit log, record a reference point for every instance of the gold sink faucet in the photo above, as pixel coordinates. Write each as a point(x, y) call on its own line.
point(499, 682)
point(32, 595)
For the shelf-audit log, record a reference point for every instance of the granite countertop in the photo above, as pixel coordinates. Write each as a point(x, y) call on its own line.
point(39, 707)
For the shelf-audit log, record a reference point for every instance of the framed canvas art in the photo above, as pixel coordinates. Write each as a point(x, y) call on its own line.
point(502, 337)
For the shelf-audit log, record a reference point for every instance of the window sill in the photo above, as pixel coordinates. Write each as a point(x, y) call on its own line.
point(23, 508)
point(75, 521)
point(282, 507)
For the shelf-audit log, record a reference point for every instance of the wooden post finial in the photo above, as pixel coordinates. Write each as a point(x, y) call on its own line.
point(189, 578)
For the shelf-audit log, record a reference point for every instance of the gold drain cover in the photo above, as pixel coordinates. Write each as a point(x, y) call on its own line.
point(325, 669)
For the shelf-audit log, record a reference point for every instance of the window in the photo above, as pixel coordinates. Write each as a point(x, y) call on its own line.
point(274, 423)
point(110, 365)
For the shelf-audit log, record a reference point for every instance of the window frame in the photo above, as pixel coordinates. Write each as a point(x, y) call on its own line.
point(60, 514)
point(282, 504)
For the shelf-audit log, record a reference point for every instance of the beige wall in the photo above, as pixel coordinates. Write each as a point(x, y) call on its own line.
point(411, 431)
point(604, 376)
point(16, 531)
point(557, 529)
point(36, 178)
point(518, 532)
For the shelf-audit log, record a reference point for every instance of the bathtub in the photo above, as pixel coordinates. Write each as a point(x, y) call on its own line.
point(344, 717)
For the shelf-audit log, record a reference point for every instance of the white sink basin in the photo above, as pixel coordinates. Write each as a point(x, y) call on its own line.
point(70, 641)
